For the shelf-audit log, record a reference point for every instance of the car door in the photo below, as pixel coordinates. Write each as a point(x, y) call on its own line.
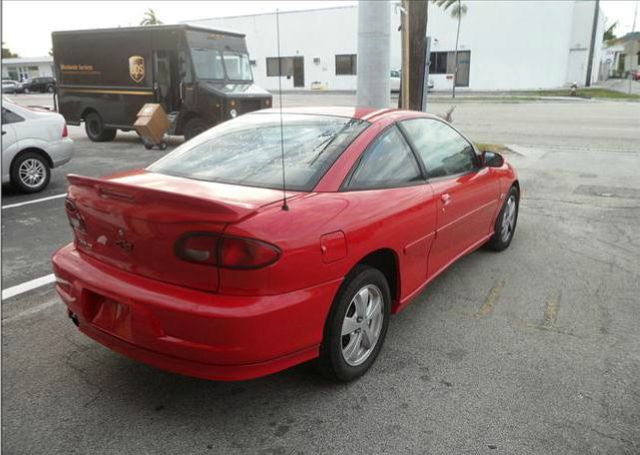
point(394, 204)
point(467, 193)
point(9, 140)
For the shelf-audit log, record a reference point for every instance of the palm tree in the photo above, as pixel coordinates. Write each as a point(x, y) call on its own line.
point(458, 9)
point(150, 18)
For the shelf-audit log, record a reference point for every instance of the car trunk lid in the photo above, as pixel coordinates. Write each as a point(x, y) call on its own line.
point(132, 221)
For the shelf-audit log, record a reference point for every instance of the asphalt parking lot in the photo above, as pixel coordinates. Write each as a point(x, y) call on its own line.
point(532, 350)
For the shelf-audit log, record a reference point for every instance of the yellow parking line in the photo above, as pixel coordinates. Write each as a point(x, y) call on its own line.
point(490, 301)
point(551, 309)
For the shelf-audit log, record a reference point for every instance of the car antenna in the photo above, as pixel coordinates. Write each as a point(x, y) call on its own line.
point(284, 184)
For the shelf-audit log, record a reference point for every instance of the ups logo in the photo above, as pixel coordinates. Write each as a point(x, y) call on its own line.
point(136, 68)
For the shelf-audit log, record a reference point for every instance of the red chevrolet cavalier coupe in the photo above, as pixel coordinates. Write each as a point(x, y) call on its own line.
point(197, 265)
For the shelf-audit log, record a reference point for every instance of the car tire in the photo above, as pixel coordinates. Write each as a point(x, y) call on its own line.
point(94, 127)
point(50, 89)
point(194, 127)
point(354, 332)
point(30, 172)
point(505, 226)
point(26, 91)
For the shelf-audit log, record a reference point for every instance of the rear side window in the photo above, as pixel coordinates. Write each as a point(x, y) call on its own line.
point(10, 117)
point(443, 150)
point(389, 162)
point(248, 150)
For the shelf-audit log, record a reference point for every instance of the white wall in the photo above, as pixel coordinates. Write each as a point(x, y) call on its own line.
point(514, 45)
point(580, 41)
point(321, 33)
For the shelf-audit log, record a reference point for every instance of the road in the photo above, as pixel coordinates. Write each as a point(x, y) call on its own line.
point(533, 350)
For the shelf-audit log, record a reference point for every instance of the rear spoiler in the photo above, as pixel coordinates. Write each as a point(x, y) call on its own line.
point(203, 208)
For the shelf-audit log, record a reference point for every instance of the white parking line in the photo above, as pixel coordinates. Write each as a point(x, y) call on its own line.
point(34, 201)
point(27, 286)
point(32, 310)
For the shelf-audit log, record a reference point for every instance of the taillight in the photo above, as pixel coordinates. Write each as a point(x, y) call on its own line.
point(241, 253)
point(65, 132)
point(75, 218)
point(225, 251)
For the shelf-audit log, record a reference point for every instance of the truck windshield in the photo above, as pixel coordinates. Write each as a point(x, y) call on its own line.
point(207, 63)
point(247, 150)
point(237, 66)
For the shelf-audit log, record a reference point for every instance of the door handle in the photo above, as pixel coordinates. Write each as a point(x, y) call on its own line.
point(4, 132)
point(446, 199)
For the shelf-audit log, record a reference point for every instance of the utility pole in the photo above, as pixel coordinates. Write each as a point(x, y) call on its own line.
point(635, 18)
point(373, 66)
point(592, 46)
point(414, 43)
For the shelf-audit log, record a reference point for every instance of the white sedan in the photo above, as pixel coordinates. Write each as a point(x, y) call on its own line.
point(33, 141)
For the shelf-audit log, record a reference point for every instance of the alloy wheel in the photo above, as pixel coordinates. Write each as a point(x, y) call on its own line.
point(32, 173)
point(508, 219)
point(362, 325)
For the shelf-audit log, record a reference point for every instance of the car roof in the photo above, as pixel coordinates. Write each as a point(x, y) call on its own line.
point(370, 114)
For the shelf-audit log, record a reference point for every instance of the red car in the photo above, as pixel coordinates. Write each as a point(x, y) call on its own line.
point(198, 265)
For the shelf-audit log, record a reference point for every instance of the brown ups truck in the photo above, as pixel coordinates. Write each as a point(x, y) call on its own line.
point(200, 76)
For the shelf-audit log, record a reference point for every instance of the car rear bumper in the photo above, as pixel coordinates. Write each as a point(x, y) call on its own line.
point(61, 152)
point(187, 331)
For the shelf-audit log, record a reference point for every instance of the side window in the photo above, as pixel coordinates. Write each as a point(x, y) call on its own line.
point(10, 117)
point(389, 162)
point(442, 149)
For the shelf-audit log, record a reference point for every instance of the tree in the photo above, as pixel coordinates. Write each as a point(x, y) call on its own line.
point(610, 32)
point(150, 18)
point(458, 9)
point(6, 52)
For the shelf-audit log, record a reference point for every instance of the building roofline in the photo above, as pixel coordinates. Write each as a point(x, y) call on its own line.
point(270, 13)
point(180, 26)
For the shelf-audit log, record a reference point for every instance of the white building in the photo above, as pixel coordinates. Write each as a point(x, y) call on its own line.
point(505, 45)
point(19, 69)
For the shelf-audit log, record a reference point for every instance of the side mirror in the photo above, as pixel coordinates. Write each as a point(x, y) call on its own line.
point(492, 159)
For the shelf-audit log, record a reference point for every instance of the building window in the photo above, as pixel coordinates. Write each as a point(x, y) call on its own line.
point(286, 65)
point(346, 64)
point(638, 58)
point(438, 63)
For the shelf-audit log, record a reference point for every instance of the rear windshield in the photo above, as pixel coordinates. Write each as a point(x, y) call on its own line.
point(247, 150)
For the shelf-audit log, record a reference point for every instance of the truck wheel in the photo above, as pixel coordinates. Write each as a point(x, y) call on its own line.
point(30, 172)
point(95, 129)
point(194, 127)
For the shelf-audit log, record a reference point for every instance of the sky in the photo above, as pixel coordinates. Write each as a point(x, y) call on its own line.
point(27, 25)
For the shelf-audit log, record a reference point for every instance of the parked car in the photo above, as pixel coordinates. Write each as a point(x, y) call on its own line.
point(33, 142)
point(38, 84)
point(635, 74)
point(395, 81)
point(201, 264)
point(9, 86)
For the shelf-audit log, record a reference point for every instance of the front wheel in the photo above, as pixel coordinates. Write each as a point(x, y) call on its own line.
point(356, 326)
point(30, 172)
point(505, 226)
point(194, 127)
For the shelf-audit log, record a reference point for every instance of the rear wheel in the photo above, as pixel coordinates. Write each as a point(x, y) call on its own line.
point(356, 326)
point(50, 89)
point(505, 226)
point(30, 172)
point(26, 91)
point(95, 129)
point(194, 127)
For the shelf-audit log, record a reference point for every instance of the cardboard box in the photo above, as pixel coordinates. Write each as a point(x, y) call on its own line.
point(152, 123)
